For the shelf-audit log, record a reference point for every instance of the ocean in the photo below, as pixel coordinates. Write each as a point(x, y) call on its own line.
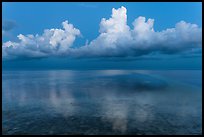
point(95, 102)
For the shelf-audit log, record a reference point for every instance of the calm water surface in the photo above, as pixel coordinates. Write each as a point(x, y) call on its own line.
point(102, 102)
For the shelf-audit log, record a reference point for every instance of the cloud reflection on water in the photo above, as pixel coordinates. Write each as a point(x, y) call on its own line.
point(117, 98)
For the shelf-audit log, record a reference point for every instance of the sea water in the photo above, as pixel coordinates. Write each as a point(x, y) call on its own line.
point(102, 102)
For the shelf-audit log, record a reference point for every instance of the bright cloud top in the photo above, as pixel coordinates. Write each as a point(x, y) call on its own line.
point(116, 39)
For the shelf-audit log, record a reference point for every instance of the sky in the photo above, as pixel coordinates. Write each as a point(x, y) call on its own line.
point(102, 35)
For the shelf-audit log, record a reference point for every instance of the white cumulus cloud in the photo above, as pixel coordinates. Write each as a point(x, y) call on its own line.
point(52, 42)
point(116, 38)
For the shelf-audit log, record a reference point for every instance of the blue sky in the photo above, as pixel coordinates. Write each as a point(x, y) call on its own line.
point(86, 18)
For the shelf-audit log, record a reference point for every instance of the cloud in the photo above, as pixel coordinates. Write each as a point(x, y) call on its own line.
point(52, 42)
point(116, 39)
point(8, 25)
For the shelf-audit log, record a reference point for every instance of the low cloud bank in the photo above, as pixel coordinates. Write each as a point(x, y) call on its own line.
point(116, 39)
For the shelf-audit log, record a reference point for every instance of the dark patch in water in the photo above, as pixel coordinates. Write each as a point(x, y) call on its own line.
point(129, 82)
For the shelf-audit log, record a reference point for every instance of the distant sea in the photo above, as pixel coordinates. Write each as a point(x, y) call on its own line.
point(102, 102)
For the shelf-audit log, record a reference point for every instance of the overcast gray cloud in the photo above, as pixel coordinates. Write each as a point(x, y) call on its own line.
point(116, 39)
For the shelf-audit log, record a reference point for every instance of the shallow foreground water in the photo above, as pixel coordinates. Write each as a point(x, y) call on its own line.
point(102, 102)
